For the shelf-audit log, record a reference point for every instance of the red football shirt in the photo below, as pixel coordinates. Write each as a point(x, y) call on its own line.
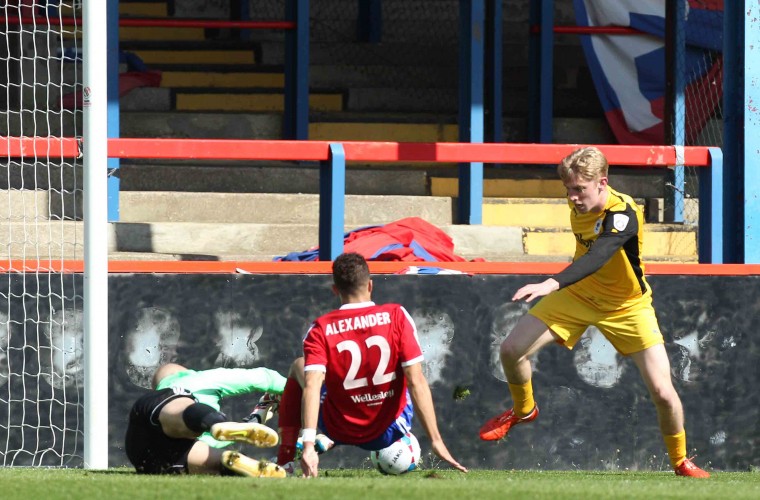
point(362, 348)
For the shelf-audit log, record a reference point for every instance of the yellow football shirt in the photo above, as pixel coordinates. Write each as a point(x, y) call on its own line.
point(607, 269)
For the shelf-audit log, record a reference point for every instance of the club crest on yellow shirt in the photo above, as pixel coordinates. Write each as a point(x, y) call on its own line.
point(620, 221)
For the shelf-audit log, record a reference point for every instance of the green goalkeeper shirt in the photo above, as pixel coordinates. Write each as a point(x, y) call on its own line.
point(210, 386)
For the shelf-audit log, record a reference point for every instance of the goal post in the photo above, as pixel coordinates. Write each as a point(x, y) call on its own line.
point(95, 106)
point(53, 309)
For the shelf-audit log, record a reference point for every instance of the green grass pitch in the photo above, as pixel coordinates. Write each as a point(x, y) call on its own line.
point(365, 484)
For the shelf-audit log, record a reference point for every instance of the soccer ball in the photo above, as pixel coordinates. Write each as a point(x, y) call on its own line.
point(398, 458)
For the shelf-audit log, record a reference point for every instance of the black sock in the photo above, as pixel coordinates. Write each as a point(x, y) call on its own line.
point(199, 417)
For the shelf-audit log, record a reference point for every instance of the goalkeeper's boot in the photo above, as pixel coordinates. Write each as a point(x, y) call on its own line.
point(322, 443)
point(264, 409)
point(249, 432)
point(499, 426)
point(688, 468)
point(246, 466)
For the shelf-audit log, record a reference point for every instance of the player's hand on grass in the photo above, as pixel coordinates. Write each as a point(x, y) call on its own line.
point(535, 290)
point(309, 461)
point(443, 453)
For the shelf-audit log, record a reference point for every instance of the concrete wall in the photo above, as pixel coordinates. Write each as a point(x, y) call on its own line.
point(595, 410)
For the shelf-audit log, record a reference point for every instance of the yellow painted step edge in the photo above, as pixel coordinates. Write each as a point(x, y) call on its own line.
point(503, 188)
point(656, 243)
point(534, 212)
point(196, 56)
point(183, 79)
point(140, 33)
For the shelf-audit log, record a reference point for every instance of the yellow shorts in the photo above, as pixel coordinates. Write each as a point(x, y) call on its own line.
point(629, 330)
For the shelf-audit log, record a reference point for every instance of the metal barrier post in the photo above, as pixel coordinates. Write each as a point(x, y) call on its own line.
point(733, 129)
point(711, 210)
point(494, 125)
point(112, 48)
point(751, 133)
point(675, 123)
point(370, 22)
point(471, 27)
point(241, 11)
point(541, 72)
point(332, 198)
point(295, 122)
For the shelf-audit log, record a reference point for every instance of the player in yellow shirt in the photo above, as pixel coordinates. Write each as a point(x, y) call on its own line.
point(605, 287)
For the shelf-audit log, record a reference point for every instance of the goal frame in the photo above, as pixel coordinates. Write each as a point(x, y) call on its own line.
point(95, 214)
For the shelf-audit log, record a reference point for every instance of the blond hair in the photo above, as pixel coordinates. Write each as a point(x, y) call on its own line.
point(587, 163)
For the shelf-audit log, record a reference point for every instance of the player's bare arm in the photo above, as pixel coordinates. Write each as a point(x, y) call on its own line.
point(535, 290)
point(423, 404)
point(313, 384)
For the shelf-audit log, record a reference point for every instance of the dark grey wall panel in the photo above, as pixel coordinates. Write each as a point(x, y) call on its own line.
point(595, 412)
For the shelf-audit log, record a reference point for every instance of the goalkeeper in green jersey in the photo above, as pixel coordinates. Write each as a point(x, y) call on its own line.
point(177, 428)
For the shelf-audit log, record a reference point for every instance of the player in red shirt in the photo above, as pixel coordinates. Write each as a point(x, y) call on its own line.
point(360, 360)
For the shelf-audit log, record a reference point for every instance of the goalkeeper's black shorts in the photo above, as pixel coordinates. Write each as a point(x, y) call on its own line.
point(148, 448)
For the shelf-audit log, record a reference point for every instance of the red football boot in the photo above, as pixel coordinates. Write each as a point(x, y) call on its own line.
point(688, 468)
point(499, 426)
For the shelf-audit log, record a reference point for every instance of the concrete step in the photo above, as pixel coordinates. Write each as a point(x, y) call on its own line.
point(328, 125)
point(381, 54)
point(202, 125)
point(151, 34)
point(396, 99)
point(40, 205)
point(249, 241)
point(221, 55)
point(672, 241)
point(540, 212)
point(570, 102)
point(267, 177)
point(143, 9)
point(149, 256)
point(665, 242)
point(42, 239)
point(231, 79)
point(161, 34)
point(126, 9)
point(261, 208)
point(413, 127)
point(503, 188)
point(395, 9)
point(544, 183)
point(210, 238)
point(40, 176)
point(395, 132)
point(233, 100)
point(424, 78)
point(411, 52)
point(507, 181)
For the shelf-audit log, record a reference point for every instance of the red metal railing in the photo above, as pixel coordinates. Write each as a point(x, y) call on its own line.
point(227, 149)
point(443, 152)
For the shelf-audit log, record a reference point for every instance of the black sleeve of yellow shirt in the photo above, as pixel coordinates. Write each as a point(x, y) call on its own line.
point(605, 246)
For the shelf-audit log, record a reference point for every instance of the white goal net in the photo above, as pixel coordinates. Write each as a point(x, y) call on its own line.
point(41, 319)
